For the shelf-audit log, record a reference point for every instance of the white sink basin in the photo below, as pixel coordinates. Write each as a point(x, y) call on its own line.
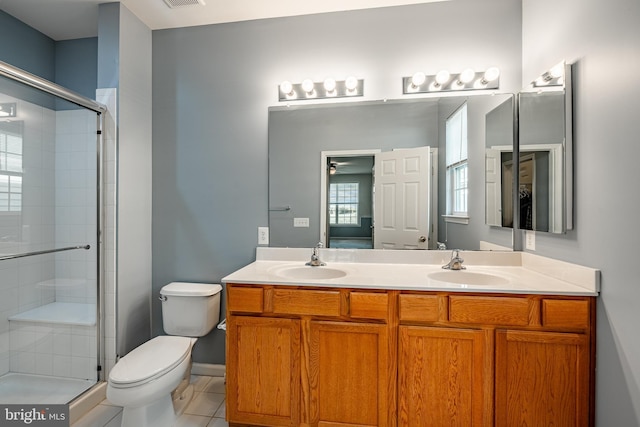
point(310, 273)
point(462, 277)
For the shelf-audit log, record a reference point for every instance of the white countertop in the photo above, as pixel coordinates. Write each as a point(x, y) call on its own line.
point(510, 272)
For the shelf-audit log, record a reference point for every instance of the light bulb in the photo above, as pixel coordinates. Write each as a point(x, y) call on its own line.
point(491, 74)
point(442, 77)
point(351, 83)
point(557, 71)
point(286, 87)
point(329, 85)
point(308, 85)
point(541, 81)
point(467, 75)
point(418, 79)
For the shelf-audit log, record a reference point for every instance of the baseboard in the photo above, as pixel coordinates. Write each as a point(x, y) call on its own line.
point(87, 401)
point(208, 369)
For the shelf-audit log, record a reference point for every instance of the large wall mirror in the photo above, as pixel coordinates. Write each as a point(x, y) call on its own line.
point(334, 174)
point(546, 152)
point(500, 166)
point(545, 173)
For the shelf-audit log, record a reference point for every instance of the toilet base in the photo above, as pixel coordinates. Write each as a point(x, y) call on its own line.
point(159, 413)
point(180, 401)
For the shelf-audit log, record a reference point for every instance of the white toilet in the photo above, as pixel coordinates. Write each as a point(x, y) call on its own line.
point(142, 381)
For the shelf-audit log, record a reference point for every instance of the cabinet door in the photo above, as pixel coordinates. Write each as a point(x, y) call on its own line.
point(445, 377)
point(263, 371)
point(542, 379)
point(349, 374)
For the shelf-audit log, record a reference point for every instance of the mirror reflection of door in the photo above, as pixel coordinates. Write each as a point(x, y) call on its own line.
point(507, 189)
point(526, 192)
point(403, 199)
point(392, 208)
point(541, 189)
point(350, 202)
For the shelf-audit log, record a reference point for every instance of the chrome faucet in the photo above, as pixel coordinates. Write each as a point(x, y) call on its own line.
point(315, 257)
point(456, 262)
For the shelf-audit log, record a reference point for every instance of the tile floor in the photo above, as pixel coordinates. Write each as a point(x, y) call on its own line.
point(205, 410)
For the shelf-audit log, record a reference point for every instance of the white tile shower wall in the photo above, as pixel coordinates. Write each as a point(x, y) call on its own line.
point(37, 211)
point(75, 205)
point(31, 228)
point(53, 349)
point(108, 97)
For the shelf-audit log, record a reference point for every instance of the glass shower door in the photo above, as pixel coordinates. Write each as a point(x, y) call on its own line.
point(49, 252)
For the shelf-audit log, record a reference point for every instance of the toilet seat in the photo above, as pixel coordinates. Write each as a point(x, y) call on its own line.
point(150, 360)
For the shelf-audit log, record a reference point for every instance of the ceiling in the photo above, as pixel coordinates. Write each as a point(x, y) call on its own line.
point(73, 19)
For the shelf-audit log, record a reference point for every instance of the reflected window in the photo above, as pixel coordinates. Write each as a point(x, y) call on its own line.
point(10, 170)
point(456, 158)
point(343, 203)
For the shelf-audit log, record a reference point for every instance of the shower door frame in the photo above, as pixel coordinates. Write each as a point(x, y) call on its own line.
point(24, 77)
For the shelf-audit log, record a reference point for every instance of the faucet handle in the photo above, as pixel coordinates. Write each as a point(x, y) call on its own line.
point(320, 245)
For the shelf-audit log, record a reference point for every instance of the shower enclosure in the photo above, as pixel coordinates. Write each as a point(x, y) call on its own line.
point(50, 250)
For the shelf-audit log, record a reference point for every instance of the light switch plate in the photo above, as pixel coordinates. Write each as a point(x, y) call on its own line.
point(301, 222)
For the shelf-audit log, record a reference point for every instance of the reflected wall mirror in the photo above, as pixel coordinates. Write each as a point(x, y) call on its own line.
point(545, 173)
point(306, 141)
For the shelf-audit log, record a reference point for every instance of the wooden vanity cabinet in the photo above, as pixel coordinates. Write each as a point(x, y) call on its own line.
point(263, 370)
point(444, 377)
point(348, 374)
point(545, 376)
point(340, 357)
point(500, 361)
point(324, 357)
point(542, 379)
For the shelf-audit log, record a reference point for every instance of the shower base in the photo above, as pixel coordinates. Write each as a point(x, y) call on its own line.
point(38, 389)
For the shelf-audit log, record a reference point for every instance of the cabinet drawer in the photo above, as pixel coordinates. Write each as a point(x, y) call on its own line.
point(419, 308)
point(306, 302)
point(246, 300)
point(565, 313)
point(489, 310)
point(369, 305)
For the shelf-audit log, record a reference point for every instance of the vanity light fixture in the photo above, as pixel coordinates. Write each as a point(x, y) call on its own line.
point(8, 109)
point(553, 79)
point(445, 81)
point(329, 88)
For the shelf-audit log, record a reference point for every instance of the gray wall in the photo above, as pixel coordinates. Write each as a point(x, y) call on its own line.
point(124, 58)
point(20, 38)
point(77, 65)
point(212, 86)
point(602, 39)
point(70, 63)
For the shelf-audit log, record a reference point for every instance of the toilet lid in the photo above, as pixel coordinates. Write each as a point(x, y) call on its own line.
point(150, 360)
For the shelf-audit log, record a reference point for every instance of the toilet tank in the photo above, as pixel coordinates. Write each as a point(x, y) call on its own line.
point(190, 309)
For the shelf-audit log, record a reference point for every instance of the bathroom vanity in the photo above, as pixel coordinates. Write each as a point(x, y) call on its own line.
point(380, 338)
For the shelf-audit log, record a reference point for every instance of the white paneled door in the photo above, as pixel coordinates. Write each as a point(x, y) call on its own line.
point(402, 199)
